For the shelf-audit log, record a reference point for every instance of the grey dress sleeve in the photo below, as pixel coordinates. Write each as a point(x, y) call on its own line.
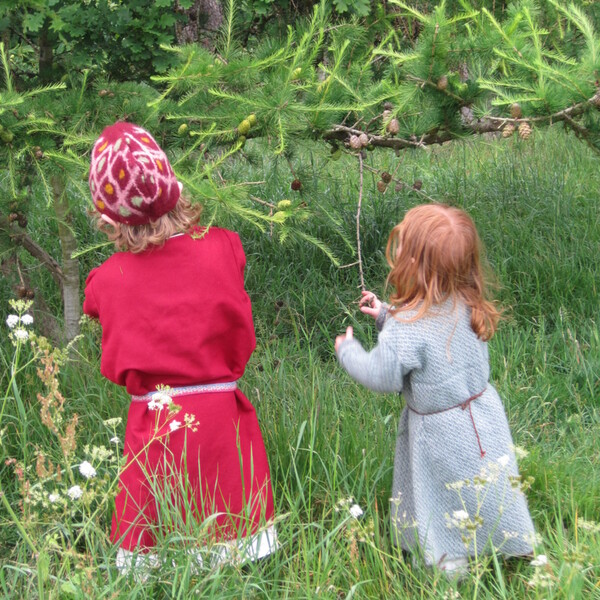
point(382, 317)
point(384, 368)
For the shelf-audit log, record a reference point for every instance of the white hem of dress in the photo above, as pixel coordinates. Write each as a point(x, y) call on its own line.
point(235, 552)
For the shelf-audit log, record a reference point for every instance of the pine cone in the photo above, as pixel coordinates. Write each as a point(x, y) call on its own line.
point(355, 142)
point(508, 130)
point(296, 185)
point(393, 126)
point(381, 186)
point(363, 138)
point(386, 177)
point(515, 111)
point(442, 83)
point(524, 130)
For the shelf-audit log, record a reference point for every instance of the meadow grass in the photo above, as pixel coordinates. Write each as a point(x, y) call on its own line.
point(330, 442)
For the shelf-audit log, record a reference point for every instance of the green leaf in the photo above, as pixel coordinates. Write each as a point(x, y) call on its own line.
point(33, 22)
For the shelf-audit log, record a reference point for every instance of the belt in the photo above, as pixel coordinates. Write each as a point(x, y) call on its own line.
point(206, 388)
point(463, 405)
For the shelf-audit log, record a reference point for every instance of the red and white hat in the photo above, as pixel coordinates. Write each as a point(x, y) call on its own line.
point(131, 179)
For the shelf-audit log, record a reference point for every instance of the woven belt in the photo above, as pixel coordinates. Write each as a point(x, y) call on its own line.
point(207, 388)
point(463, 405)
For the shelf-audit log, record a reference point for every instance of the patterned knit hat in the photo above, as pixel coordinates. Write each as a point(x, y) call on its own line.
point(131, 179)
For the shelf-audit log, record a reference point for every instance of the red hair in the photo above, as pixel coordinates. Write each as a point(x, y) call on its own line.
point(435, 255)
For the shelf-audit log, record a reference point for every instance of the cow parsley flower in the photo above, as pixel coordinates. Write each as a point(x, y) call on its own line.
point(174, 425)
point(540, 560)
point(86, 469)
point(356, 511)
point(75, 492)
point(12, 320)
point(115, 440)
point(504, 460)
point(159, 401)
point(27, 319)
point(54, 497)
point(21, 334)
point(460, 515)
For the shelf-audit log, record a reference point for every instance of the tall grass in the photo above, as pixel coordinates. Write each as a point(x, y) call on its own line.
point(330, 442)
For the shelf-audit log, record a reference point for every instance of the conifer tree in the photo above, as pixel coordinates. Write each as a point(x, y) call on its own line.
point(465, 73)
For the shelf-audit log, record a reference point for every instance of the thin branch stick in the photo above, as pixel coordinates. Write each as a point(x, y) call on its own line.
point(358, 209)
point(34, 249)
point(263, 202)
point(349, 265)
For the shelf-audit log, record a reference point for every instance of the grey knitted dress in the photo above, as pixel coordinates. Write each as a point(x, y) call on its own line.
point(448, 501)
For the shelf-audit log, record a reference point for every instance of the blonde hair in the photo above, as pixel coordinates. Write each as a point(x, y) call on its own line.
point(137, 238)
point(435, 255)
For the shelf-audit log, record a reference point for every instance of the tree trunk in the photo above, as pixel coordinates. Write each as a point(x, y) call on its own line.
point(70, 266)
point(203, 16)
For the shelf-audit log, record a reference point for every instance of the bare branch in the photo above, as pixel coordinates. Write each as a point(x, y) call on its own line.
point(358, 209)
point(22, 239)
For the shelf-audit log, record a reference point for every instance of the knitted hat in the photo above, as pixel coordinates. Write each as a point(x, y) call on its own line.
point(131, 179)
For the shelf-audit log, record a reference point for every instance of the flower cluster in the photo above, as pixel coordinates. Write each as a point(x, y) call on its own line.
point(542, 575)
point(19, 322)
point(159, 401)
point(590, 526)
point(460, 519)
point(190, 422)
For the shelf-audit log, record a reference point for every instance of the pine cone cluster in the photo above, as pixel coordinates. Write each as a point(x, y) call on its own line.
point(357, 142)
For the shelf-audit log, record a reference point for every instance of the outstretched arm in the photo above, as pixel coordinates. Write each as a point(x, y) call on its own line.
point(380, 369)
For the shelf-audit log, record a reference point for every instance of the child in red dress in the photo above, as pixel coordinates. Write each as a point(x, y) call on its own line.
point(177, 331)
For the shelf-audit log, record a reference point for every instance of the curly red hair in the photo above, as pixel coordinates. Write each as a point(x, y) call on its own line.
point(435, 255)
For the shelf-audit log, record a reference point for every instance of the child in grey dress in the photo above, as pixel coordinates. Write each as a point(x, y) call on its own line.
point(456, 491)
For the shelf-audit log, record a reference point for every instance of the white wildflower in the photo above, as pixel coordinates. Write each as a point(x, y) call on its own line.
point(174, 425)
point(113, 422)
point(115, 440)
point(162, 398)
point(54, 497)
point(504, 460)
point(533, 538)
point(588, 525)
point(27, 319)
point(540, 560)
point(75, 492)
point(460, 515)
point(159, 401)
point(12, 320)
point(456, 485)
point(356, 511)
point(86, 469)
point(519, 451)
point(21, 334)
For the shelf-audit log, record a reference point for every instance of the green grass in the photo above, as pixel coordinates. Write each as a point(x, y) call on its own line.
point(328, 439)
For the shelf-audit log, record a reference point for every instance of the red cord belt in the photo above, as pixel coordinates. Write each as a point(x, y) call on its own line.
point(463, 405)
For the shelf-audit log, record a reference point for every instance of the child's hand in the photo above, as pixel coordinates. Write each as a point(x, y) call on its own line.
point(342, 338)
point(370, 304)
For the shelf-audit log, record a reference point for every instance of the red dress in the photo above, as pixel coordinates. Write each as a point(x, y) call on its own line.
point(179, 316)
